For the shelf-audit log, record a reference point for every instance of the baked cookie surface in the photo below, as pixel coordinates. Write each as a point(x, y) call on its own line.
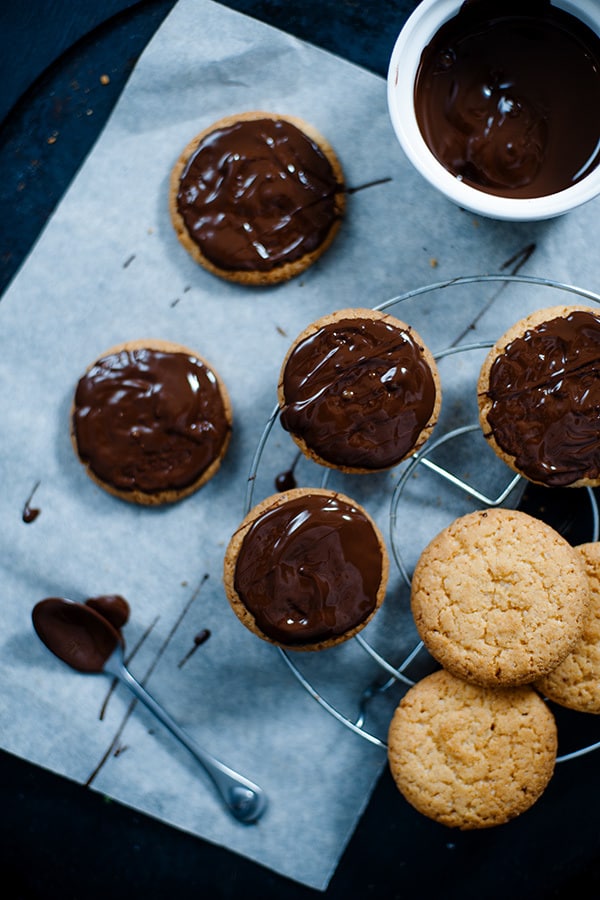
point(539, 395)
point(306, 569)
point(256, 197)
point(471, 757)
point(359, 391)
point(575, 682)
point(499, 598)
point(150, 421)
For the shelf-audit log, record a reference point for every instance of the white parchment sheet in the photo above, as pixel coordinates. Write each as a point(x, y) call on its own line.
point(109, 268)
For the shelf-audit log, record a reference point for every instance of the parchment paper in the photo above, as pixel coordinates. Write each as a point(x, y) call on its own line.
point(108, 268)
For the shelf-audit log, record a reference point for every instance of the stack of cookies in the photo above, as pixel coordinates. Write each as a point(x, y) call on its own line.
point(507, 607)
point(511, 611)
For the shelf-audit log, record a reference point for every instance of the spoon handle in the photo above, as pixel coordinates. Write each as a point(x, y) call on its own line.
point(244, 799)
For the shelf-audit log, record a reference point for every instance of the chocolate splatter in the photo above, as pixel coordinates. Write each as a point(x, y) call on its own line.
point(519, 259)
point(369, 184)
point(199, 639)
point(30, 513)
point(286, 481)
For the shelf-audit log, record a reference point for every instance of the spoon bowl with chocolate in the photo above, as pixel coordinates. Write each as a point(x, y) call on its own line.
point(83, 638)
point(497, 103)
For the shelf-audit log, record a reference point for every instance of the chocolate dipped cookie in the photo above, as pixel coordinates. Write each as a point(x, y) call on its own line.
point(539, 397)
point(256, 197)
point(306, 569)
point(150, 421)
point(359, 391)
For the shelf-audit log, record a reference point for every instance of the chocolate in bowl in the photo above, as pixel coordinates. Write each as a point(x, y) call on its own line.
point(494, 97)
point(482, 99)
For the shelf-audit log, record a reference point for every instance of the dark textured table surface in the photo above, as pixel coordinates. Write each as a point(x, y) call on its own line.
point(58, 839)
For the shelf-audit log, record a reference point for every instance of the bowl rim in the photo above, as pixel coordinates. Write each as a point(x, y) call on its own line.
point(416, 33)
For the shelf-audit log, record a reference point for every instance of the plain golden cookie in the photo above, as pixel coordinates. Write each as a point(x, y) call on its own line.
point(499, 597)
point(257, 197)
point(307, 569)
point(575, 683)
point(539, 394)
point(359, 391)
point(151, 421)
point(471, 757)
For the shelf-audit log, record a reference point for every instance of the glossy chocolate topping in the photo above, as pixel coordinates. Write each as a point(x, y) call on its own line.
point(257, 194)
point(358, 392)
point(148, 420)
point(309, 570)
point(75, 633)
point(545, 394)
point(507, 97)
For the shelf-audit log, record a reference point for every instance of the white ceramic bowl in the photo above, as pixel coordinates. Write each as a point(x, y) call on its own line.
point(418, 31)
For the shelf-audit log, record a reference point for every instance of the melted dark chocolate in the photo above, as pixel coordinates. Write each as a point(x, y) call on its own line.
point(507, 97)
point(286, 481)
point(199, 639)
point(30, 513)
point(309, 570)
point(545, 394)
point(358, 392)
point(258, 194)
point(113, 607)
point(148, 420)
point(75, 633)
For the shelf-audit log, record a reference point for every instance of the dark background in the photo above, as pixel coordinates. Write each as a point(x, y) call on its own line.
point(58, 839)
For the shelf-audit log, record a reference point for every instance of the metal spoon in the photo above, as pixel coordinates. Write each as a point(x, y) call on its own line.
point(86, 641)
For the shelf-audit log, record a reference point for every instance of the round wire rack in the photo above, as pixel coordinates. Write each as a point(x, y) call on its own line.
point(450, 477)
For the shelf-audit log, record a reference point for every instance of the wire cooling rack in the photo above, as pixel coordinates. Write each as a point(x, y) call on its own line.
point(451, 440)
